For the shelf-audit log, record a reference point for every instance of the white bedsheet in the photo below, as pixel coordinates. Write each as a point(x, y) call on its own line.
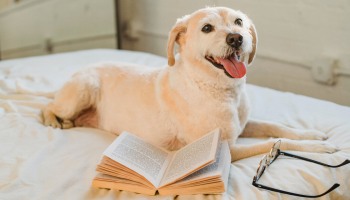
point(38, 162)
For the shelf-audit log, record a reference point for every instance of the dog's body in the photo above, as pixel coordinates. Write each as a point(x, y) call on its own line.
point(179, 103)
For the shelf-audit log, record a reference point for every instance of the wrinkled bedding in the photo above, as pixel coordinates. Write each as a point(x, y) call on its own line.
point(38, 162)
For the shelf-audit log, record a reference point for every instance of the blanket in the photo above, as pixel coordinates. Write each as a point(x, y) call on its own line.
point(38, 162)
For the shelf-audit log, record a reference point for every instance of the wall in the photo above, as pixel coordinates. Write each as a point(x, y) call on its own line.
point(5, 4)
point(39, 27)
point(293, 36)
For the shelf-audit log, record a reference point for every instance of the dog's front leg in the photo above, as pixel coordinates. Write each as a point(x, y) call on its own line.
point(239, 151)
point(258, 128)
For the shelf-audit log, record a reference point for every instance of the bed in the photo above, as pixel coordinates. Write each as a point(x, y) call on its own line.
point(38, 162)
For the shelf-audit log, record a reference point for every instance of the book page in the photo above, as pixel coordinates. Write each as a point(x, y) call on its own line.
point(137, 154)
point(215, 169)
point(111, 182)
point(192, 157)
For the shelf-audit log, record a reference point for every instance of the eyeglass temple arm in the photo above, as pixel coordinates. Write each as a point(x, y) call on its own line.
point(295, 194)
point(314, 161)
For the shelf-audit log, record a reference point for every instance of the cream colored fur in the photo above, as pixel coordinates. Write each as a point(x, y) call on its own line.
point(179, 103)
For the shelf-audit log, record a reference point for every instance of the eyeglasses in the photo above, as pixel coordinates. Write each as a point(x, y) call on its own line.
point(274, 153)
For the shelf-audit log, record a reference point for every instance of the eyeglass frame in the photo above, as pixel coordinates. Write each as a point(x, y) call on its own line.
point(269, 160)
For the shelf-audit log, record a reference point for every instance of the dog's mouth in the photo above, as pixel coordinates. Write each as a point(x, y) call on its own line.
point(231, 65)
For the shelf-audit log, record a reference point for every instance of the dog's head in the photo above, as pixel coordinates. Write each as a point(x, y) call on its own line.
point(217, 38)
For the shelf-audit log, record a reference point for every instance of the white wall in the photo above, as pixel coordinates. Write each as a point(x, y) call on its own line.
point(5, 3)
point(292, 35)
point(31, 27)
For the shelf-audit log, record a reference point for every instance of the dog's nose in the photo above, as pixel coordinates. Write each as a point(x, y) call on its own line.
point(234, 39)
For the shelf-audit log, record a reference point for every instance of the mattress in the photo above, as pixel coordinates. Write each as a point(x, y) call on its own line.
point(38, 162)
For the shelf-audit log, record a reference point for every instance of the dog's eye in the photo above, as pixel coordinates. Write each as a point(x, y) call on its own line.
point(239, 22)
point(207, 28)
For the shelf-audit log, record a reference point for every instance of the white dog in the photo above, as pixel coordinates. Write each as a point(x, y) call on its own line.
point(201, 89)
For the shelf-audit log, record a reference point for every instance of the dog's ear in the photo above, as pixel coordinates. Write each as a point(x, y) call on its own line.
point(254, 43)
point(178, 31)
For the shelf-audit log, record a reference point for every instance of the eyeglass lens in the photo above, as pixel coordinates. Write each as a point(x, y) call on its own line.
point(273, 153)
point(261, 168)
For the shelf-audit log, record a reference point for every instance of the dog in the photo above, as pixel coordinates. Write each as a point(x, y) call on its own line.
point(201, 88)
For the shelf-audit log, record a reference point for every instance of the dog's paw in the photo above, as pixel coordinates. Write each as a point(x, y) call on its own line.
point(53, 123)
point(319, 147)
point(66, 123)
point(312, 135)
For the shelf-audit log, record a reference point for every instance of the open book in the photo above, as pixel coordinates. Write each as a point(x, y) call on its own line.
point(133, 164)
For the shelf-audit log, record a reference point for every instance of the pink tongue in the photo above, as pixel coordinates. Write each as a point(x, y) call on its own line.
point(235, 68)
